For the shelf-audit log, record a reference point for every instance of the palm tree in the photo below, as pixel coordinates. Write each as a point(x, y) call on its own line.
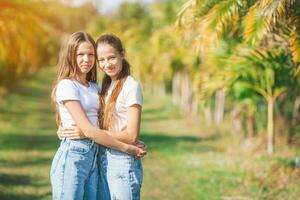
point(251, 20)
point(265, 77)
point(258, 23)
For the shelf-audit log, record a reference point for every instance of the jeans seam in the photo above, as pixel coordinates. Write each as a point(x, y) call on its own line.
point(61, 152)
point(94, 161)
point(63, 171)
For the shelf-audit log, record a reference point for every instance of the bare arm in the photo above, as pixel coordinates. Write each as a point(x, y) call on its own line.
point(98, 135)
point(128, 135)
point(131, 134)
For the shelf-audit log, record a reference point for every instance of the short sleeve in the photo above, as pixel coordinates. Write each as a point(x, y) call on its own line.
point(66, 90)
point(134, 94)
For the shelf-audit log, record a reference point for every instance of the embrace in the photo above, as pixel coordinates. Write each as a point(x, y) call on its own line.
point(99, 154)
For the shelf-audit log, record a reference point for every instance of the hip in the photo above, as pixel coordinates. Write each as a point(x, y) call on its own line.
point(114, 159)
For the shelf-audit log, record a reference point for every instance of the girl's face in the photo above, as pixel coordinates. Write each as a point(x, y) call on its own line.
point(85, 57)
point(110, 60)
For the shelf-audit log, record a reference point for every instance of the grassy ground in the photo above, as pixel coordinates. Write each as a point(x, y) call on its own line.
point(187, 160)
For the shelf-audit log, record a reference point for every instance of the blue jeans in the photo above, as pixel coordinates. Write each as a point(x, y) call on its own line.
point(121, 175)
point(74, 170)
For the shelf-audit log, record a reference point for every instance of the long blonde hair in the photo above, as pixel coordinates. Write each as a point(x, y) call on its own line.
point(107, 111)
point(67, 64)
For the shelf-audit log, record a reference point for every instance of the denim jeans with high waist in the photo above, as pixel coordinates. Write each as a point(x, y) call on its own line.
point(74, 171)
point(121, 175)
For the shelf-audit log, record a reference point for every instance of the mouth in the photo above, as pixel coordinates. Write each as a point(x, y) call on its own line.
point(109, 70)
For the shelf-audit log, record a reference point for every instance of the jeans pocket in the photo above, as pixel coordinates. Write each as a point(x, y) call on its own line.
point(56, 160)
point(79, 147)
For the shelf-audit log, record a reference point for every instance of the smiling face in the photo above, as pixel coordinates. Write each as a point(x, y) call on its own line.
point(85, 57)
point(110, 60)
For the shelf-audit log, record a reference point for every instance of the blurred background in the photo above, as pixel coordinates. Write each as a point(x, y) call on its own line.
point(221, 83)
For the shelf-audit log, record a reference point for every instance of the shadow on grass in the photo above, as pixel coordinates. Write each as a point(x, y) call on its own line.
point(13, 179)
point(177, 144)
point(28, 161)
point(160, 114)
point(15, 141)
point(19, 197)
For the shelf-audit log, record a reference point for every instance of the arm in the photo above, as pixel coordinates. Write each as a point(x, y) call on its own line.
point(131, 134)
point(98, 135)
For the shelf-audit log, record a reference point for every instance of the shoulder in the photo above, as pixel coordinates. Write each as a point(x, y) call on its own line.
point(132, 83)
point(133, 92)
point(132, 87)
point(67, 89)
point(66, 84)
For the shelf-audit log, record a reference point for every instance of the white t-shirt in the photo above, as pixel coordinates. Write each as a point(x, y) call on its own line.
point(130, 94)
point(87, 96)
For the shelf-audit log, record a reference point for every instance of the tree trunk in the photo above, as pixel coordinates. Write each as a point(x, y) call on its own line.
point(294, 119)
point(187, 99)
point(219, 109)
point(236, 120)
point(270, 125)
point(182, 93)
point(296, 108)
point(176, 88)
point(250, 125)
point(207, 114)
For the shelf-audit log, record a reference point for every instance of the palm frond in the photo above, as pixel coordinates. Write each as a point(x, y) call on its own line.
point(295, 45)
point(222, 15)
point(263, 17)
point(195, 8)
point(184, 11)
point(295, 35)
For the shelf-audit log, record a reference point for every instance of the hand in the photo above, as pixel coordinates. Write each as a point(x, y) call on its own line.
point(136, 151)
point(72, 132)
point(141, 144)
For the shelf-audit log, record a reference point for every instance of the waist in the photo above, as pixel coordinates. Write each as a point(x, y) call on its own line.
point(68, 122)
point(85, 141)
point(113, 152)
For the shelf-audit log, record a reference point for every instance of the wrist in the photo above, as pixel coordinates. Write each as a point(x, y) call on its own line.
point(125, 147)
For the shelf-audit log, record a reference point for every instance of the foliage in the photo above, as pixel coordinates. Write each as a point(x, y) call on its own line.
point(31, 35)
point(22, 42)
point(210, 20)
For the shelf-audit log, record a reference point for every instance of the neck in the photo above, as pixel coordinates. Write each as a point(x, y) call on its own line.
point(118, 77)
point(82, 79)
point(113, 78)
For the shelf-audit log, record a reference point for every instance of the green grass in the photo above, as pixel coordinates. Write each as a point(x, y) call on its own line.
point(186, 159)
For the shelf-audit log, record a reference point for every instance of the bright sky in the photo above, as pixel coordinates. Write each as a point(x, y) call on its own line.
point(106, 6)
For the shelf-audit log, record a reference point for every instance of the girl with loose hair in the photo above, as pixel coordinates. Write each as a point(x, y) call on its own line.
point(74, 171)
point(121, 100)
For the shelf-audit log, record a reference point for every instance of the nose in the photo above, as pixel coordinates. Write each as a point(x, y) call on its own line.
point(106, 63)
point(86, 58)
